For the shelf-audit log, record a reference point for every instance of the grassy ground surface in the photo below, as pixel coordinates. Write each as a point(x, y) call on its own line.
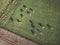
point(35, 19)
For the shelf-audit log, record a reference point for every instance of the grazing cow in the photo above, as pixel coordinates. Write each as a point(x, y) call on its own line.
point(48, 26)
point(11, 18)
point(24, 6)
point(21, 15)
point(31, 21)
point(40, 24)
point(18, 20)
point(31, 9)
point(32, 25)
point(21, 10)
point(32, 31)
point(28, 12)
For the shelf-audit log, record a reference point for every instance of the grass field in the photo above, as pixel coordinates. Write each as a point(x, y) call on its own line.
point(37, 20)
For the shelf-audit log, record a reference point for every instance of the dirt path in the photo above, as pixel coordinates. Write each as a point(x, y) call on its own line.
point(8, 38)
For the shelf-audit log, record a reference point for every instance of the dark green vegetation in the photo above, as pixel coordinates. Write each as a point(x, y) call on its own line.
point(38, 20)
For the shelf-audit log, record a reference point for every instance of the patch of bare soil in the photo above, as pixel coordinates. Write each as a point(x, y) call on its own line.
point(9, 38)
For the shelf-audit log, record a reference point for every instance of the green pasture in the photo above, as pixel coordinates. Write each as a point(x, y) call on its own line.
point(37, 20)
